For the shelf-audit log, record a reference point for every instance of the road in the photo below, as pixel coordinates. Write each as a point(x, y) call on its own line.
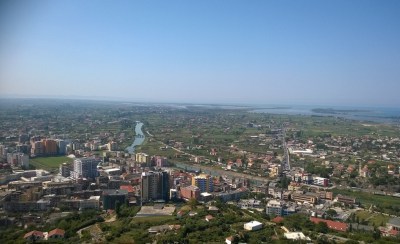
point(286, 156)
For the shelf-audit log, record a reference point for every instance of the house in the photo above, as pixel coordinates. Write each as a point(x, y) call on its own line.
point(229, 240)
point(239, 162)
point(345, 199)
point(393, 227)
point(307, 197)
point(163, 228)
point(180, 214)
point(296, 236)
point(275, 208)
point(356, 226)
point(333, 225)
point(277, 220)
point(275, 192)
point(326, 195)
point(294, 186)
point(34, 236)
point(249, 203)
point(213, 208)
point(252, 225)
point(56, 234)
point(394, 224)
point(209, 218)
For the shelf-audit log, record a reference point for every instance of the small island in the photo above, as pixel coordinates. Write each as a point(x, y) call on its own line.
point(337, 111)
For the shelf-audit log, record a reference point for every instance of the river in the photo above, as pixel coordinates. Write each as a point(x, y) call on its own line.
point(139, 138)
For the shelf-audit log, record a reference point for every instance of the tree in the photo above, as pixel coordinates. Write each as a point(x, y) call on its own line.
point(321, 227)
point(285, 181)
point(192, 203)
point(322, 239)
point(118, 208)
point(331, 212)
point(376, 234)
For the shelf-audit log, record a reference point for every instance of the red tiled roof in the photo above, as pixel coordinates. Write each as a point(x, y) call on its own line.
point(209, 217)
point(57, 231)
point(334, 225)
point(128, 188)
point(393, 232)
point(230, 238)
point(277, 219)
point(34, 233)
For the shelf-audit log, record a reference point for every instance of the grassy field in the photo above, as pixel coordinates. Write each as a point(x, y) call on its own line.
point(152, 219)
point(49, 163)
point(366, 199)
point(372, 218)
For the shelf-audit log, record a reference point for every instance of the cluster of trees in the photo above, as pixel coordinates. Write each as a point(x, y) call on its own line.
point(76, 221)
point(71, 224)
point(318, 170)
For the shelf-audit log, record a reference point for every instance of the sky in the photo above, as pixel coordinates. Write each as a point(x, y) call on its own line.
point(226, 51)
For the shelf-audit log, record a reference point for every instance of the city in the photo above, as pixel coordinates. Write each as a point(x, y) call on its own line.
point(189, 170)
point(205, 121)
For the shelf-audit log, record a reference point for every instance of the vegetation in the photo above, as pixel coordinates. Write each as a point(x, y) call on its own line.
point(368, 218)
point(49, 163)
point(385, 204)
point(71, 224)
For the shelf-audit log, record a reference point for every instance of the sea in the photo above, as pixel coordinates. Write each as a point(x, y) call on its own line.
point(372, 114)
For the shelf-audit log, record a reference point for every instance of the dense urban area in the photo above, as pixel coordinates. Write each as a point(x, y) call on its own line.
point(94, 172)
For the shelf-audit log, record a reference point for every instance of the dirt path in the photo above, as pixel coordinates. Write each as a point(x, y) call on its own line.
point(112, 219)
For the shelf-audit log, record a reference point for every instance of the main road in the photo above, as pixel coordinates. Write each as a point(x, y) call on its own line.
point(286, 157)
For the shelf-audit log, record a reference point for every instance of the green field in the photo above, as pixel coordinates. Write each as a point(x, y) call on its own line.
point(49, 163)
point(374, 219)
point(151, 219)
point(387, 204)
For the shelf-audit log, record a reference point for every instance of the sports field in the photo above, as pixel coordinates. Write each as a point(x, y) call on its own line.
point(49, 163)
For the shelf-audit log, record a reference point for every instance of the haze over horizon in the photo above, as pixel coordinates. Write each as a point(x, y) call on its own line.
point(282, 52)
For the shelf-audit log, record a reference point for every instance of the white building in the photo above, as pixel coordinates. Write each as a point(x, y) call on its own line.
point(18, 159)
point(304, 152)
point(321, 181)
point(252, 225)
point(92, 203)
point(296, 236)
point(85, 168)
point(112, 146)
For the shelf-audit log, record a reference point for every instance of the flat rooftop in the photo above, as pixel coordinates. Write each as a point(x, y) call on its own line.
point(146, 211)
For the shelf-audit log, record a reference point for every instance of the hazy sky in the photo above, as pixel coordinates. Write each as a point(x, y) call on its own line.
point(280, 52)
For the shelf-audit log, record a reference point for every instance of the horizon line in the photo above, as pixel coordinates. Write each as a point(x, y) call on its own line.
point(144, 101)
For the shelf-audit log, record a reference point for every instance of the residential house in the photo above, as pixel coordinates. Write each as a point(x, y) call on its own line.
point(333, 225)
point(252, 225)
point(34, 236)
point(56, 234)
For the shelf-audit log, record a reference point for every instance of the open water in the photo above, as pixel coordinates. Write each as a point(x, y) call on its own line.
point(374, 114)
